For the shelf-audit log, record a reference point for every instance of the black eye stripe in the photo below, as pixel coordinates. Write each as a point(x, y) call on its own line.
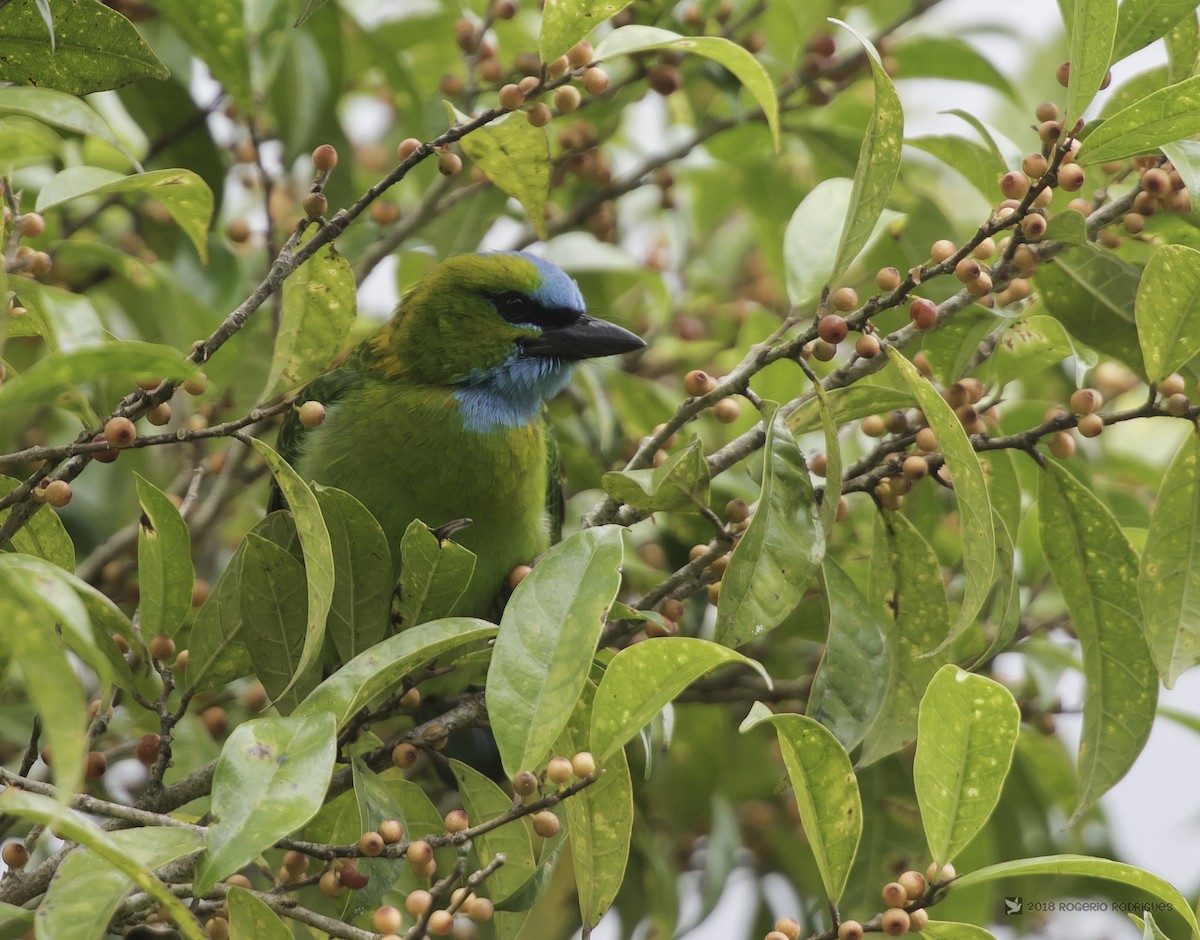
point(518, 308)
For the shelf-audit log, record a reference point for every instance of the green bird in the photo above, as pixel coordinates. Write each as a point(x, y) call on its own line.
point(438, 416)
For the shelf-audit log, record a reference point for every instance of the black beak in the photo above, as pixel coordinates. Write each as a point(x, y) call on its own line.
point(585, 338)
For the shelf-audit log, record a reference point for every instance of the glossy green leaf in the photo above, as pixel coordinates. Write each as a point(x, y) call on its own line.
point(362, 588)
point(949, 930)
point(1164, 116)
point(76, 827)
point(1140, 22)
point(747, 69)
point(565, 22)
point(181, 192)
point(482, 799)
point(1183, 48)
point(59, 110)
point(219, 40)
point(307, 9)
point(978, 164)
point(1096, 571)
point(43, 535)
point(950, 58)
point(1167, 310)
point(1091, 292)
point(966, 734)
point(855, 646)
point(1003, 149)
point(832, 492)
point(878, 162)
point(58, 372)
point(378, 669)
point(679, 483)
point(825, 789)
point(848, 404)
point(970, 491)
point(918, 622)
point(1185, 157)
point(1027, 346)
point(87, 889)
point(375, 802)
point(778, 555)
point(319, 308)
point(1091, 28)
point(1169, 580)
point(547, 636)
point(273, 609)
point(515, 156)
point(251, 917)
point(217, 650)
point(1067, 227)
point(270, 780)
point(641, 679)
point(1087, 867)
point(165, 572)
point(1150, 929)
point(318, 553)
point(433, 576)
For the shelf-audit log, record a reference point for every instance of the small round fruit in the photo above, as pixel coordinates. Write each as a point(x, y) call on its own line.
point(1014, 184)
point(580, 54)
point(456, 821)
point(789, 927)
point(923, 313)
point(1173, 384)
point(850, 930)
point(419, 852)
point(538, 114)
point(196, 383)
point(1085, 400)
point(315, 205)
point(392, 831)
point(737, 511)
point(217, 928)
point(583, 764)
point(1049, 132)
point(887, 279)
point(545, 824)
point(567, 98)
point(511, 97)
point(867, 346)
point(296, 862)
point(914, 467)
point(559, 770)
point(440, 923)
point(665, 78)
point(449, 163)
point(58, 493)
point(410, 699)
point(524, 783)
point(894, 894)
point(95, 765)
point(823, 351)
point(387, 919)
point(873, 426)
point(698, 382)
point(371, 844)
point(844, 299)
point(914, 884)
point(726, 410)
point(104, 456)
point(159, 415)
point(1091, 425)
point(120, 432)
point(215, 720)
point(418, 902)
point(832, 328)
point(311, 414)
point(774, 935)
point(967, 270)
point(1034, 165)
point(894, 922)
point(15, 855)
point(1062, 445)
point(407, 147)
point(479, 910)
point(330, 885)
point(1177, 404)
point(1033, 226)
point(404, 755)
point(32, 225)
point(162, 648)
point(927, 440)
point(918, 920)
point(325, 157)
point(517, 575)
point(1071, 177)
point(942, 249)
point(595, 81)
point(147, 749)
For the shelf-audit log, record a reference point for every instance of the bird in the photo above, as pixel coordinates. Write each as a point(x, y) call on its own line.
point(440, 414)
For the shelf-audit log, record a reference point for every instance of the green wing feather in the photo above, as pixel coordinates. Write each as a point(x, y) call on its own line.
point(555, 498)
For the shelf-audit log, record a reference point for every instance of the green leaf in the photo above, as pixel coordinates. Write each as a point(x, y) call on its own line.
point(979, 165)
point(273, 602)
point(1140, 22)
point(307, 9)
point(966, 734)
point(848, 404)
point(948, 930)
point(548, 633)
point(217, 651)
point(855, 646)
point(1027, 346)
point(1087, 867)
point(92, 48)
point(75, 827)
point(878, 162)
point(433, 576)
point(318, 553)
point(515, 156)
point(1185, 157)
point(826, 792)
point(378, 669)
point(1162, 117)
point(565, 22)
point(918, 622)
point(814, 234)
point(1167, 310)
point(1169, 580)
point(59, 372)
point(43, 535)
point(832, 493)
point(641, 679)
point(1067, 227)
point(181, 192)
point(1091, 29)
point(1097, 574)
point(1183, 49)
point(60, 110)
point(777, 556)
point(950, 58)
point(218, 39)
point(165, 572)
point(375, 802)
point(482, 799)
point(87, 889)
point(250, 917)
point(680, 483)
point(270, 780)
point(1091, 292)
point(970, 491)
point(1003, 149)
point(362, 584)
point(747, 69)
point(319, 308)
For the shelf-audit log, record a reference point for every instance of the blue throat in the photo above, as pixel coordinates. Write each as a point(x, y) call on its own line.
point(512, 394)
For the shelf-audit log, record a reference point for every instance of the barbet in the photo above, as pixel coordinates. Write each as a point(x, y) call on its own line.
point(438, 416)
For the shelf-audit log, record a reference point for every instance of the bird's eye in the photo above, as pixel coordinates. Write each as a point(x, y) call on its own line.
point(516, 308)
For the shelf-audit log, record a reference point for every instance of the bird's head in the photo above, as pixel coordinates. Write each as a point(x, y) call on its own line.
point(504, 328)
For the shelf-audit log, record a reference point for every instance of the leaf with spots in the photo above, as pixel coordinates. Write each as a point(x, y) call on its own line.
point(1162, 117)
point(1167, 309)
point(826, 792)
point(1091, 28)
point(270, 780)
point(565, 22)
point(1096, 570)
point(966, 735)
